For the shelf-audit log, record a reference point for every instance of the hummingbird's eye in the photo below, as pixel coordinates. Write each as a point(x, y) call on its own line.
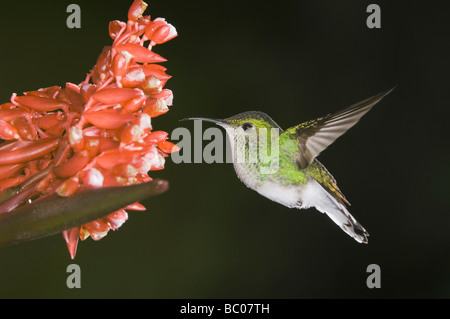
point(247, 126)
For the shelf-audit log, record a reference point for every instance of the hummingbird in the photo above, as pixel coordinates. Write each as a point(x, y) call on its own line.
point(300, 180)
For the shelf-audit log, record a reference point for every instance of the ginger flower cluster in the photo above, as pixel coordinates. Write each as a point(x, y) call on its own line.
point(95, 134)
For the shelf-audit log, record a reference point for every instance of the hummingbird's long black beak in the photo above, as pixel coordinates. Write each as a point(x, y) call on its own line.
point(215, 121)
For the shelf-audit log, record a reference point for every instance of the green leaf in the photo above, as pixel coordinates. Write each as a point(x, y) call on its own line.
point(54, 214)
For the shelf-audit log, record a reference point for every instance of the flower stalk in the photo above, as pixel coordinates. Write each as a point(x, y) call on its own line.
point(56, 143)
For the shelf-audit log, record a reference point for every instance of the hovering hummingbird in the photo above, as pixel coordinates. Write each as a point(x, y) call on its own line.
point(300, 181)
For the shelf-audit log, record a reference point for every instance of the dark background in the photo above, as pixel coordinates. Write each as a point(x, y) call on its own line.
point(211, 237)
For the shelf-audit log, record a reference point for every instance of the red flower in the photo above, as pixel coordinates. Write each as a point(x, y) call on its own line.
point(94, 134)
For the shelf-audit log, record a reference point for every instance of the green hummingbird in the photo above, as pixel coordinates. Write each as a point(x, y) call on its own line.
point(299, 180)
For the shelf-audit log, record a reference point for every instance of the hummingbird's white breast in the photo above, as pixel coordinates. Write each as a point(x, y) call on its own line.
point(287, 195)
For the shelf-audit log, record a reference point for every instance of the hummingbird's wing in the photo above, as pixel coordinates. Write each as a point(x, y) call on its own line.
point(321, 174)
point(316, 135)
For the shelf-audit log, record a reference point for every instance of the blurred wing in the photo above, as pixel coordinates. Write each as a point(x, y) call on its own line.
point(316, 135)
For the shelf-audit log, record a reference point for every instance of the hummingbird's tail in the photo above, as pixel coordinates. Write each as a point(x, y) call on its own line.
point(341, 216)
point(316, 196)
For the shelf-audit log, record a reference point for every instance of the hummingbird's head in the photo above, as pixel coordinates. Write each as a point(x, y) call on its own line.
point(247, 122)
point(253, 138)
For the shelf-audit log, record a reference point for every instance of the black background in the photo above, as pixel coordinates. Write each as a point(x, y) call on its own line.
point(211, 237)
